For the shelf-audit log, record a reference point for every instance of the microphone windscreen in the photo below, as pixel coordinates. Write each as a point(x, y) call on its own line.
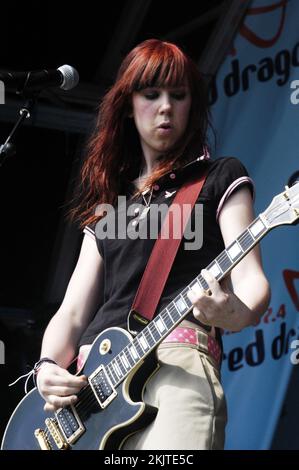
point(70, 77)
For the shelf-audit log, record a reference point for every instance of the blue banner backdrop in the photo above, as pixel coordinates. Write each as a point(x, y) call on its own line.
point(256, 121)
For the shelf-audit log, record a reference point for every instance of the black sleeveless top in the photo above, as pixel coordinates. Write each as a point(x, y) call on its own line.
point(125, 256)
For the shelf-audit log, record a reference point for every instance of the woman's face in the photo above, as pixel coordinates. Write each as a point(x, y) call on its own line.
point(161, 117)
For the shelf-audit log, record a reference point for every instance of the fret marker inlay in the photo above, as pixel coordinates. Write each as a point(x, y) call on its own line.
point(181, 306)
point(256, 228)
point(143, 342)
point(160, 325)
point(234, 251)
point(125, 362)
point(214, 270)
point(134, 352)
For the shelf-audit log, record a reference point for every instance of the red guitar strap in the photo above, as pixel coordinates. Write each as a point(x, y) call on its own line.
point(163, 254)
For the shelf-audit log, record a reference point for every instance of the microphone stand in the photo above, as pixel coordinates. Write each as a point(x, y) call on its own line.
point(8, 148)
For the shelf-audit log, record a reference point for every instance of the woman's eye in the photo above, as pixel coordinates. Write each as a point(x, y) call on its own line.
point(151, 95)
point(179, 96)
point(154, 94)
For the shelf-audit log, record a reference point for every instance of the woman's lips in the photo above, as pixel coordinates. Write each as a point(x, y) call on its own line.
point(164, 130)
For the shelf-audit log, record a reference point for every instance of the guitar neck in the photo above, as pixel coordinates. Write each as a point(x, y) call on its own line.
point(157, 330)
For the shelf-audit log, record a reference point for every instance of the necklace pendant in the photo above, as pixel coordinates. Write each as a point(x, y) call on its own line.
point(144, 213)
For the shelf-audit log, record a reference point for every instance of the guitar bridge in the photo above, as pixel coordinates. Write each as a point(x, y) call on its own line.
point(42, 439)
point(102, 387)
point(56, 434)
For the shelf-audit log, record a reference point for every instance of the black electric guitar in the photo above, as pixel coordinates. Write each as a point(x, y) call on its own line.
point(111, 408)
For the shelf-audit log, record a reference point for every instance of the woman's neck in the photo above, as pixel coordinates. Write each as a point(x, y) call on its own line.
point(149, 163)
point(147, 168)
point(139, 182)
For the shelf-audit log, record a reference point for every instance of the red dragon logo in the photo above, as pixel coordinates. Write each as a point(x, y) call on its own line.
point(252, 37)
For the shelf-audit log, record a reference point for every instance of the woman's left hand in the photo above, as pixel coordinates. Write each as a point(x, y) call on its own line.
point(215, 306)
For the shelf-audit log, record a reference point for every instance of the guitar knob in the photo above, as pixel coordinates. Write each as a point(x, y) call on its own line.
point(105, 346)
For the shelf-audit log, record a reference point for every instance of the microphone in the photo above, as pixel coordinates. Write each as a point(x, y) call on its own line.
point(65, 77)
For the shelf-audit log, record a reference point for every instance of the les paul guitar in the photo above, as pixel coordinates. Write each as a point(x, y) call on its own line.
point(111, 408)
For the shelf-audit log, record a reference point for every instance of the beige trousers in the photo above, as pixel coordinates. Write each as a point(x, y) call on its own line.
point(190, 401)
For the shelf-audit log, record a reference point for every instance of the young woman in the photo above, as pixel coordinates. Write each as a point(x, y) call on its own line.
point(150, 139)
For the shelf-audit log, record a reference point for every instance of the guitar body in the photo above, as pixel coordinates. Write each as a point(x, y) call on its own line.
point(106, 428)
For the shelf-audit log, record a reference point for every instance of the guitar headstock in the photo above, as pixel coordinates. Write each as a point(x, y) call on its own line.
point(284, 208)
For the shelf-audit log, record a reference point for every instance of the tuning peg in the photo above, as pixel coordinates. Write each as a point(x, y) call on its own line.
point(286, 192)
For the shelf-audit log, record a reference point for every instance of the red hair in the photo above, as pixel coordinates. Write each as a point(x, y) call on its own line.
point(114, 153)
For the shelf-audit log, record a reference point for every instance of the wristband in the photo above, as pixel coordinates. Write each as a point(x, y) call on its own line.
point(38, 364)
point(33, 372)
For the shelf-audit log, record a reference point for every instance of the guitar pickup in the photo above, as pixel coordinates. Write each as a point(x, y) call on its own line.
point(102, 387)
point(69, 423)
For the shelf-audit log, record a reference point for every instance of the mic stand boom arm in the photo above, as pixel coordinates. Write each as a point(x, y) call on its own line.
point(8, 148)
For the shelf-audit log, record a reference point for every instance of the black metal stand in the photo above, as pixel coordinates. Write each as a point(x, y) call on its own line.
point(8, 148)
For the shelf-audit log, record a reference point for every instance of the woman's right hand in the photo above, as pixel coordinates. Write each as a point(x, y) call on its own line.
point(58, 387)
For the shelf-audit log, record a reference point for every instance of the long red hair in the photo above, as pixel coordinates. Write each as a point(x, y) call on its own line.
point(114, 153)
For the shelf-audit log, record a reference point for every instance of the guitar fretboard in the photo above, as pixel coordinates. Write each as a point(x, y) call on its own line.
point(154, 333)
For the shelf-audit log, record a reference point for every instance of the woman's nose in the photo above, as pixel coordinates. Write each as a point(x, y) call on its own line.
point(165, 104)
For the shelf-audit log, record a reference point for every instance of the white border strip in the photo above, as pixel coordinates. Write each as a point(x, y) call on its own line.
point(88, 231)
point(232, 187)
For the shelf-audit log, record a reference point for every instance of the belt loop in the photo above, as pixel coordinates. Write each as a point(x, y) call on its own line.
point(202, 340)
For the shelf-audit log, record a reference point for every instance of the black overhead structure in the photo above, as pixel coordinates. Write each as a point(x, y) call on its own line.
point(207, 35)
